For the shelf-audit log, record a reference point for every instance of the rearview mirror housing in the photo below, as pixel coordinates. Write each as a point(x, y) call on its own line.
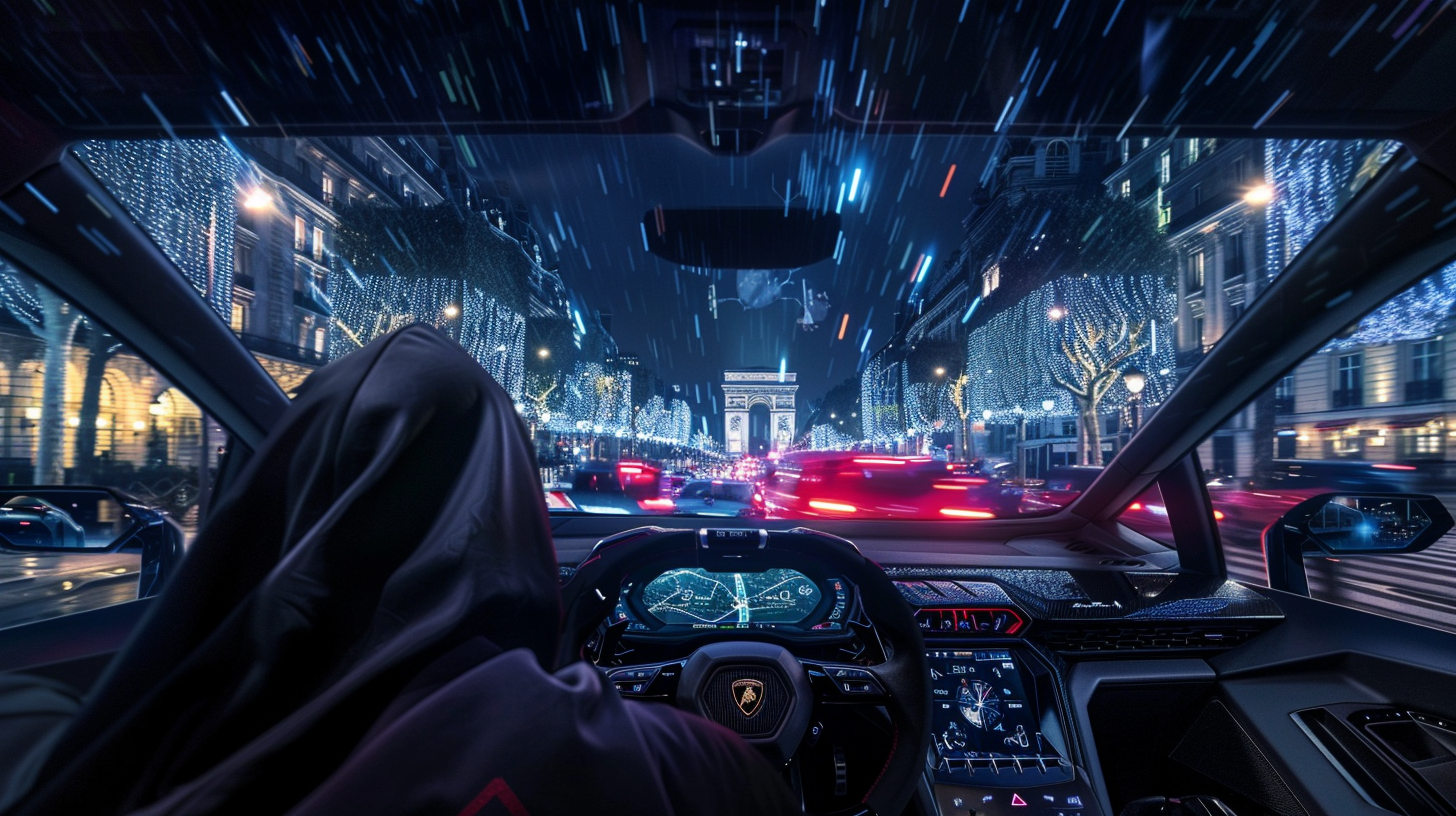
point(1350, 524)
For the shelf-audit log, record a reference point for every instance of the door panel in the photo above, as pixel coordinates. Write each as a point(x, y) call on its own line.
point(1327, 655)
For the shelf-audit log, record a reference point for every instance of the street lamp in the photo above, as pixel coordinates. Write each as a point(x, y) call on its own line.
point(1135, 380)
point(1056, 313)
point(1259, 195)
point(452, 311)
point(257, 199)
point(1048, 405)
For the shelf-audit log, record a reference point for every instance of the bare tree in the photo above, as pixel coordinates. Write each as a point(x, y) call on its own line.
point(1096, 347)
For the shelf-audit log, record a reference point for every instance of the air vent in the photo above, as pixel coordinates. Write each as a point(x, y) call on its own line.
point(1122, 562)
point(1081, 547)
point(1159, 637)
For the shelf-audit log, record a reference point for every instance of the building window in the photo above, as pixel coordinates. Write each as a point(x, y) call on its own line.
point(318, 340)
point(1195, 271)
point(328, 189)
point(1284, 395)
point(990, 279)
point(1145, 142)
point(1165, 167)
point(1426, 382)
point(239, 320)
point(1197, 326)
point(1350, 382)
point(1235, 311)
point(1236, 171)
point(1425, 360)
point(1123, 143)
point(300, 234)
point(243, 261)
point(318, 243)
point(1058, 160)
point(1234, 257)
point(1126, 188)
point(1197, 194)
point(1192, 150)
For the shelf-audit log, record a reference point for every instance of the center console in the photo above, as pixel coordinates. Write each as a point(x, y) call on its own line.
point(998, 743)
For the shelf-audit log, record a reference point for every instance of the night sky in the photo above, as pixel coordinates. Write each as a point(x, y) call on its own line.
point(599, 187)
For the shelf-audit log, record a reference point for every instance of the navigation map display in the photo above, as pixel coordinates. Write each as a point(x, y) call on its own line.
point(694, 596)
point(983, 706)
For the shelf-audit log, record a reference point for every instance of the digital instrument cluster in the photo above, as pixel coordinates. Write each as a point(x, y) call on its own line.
point(692, 598)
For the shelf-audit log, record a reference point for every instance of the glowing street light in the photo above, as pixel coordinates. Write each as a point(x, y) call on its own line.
point(939, 371)
point(1048, 405)
point(1056, 313)
point(1134, 379)
point(1259, 195)
point(543, 353)
point(257, 199)
point(452, 311)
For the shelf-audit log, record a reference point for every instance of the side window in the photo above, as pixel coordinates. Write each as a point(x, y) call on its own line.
point(1148, 514)
point(1367, 413)
point(103, 463)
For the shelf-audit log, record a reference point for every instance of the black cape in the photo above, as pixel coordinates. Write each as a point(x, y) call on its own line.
point(361, 626)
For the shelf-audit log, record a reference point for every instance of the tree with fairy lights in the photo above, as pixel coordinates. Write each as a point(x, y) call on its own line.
point(1096, 347)
point(1070, 266)
point(437, 265)
point(960, 399)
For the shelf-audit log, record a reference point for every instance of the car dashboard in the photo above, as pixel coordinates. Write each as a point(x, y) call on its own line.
point(1014, 657)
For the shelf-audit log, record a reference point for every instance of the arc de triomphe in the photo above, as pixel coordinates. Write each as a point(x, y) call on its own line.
point(742, 390)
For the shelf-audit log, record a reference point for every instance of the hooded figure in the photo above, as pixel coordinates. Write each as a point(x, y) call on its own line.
point(361, 627)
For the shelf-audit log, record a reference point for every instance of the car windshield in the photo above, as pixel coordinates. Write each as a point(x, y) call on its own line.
point(853, 322)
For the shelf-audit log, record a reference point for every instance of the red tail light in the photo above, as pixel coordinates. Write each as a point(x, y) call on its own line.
point(832, 507)
point(961, 512)
point(869, 460)
point(656, 504)
point(1135, 506)
point(1218, 515)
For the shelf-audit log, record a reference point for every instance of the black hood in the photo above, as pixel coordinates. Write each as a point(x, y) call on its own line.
point(394, 514)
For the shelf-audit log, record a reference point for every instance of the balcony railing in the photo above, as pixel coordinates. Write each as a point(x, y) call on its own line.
point(1346, 398)
point(282, 350)
point(1424, 390)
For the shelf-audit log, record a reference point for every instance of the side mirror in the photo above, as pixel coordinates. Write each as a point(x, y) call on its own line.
point(58, 519)
point(1350, 524)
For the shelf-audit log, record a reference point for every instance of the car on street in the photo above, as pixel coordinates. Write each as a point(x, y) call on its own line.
point(719, 497)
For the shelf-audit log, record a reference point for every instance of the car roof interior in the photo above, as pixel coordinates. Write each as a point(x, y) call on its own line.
point(306, 69)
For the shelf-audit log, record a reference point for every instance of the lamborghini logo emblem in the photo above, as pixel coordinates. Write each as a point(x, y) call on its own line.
point(748, 694)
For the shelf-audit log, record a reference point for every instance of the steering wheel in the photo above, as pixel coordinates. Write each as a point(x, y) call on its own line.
point(782, 689)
